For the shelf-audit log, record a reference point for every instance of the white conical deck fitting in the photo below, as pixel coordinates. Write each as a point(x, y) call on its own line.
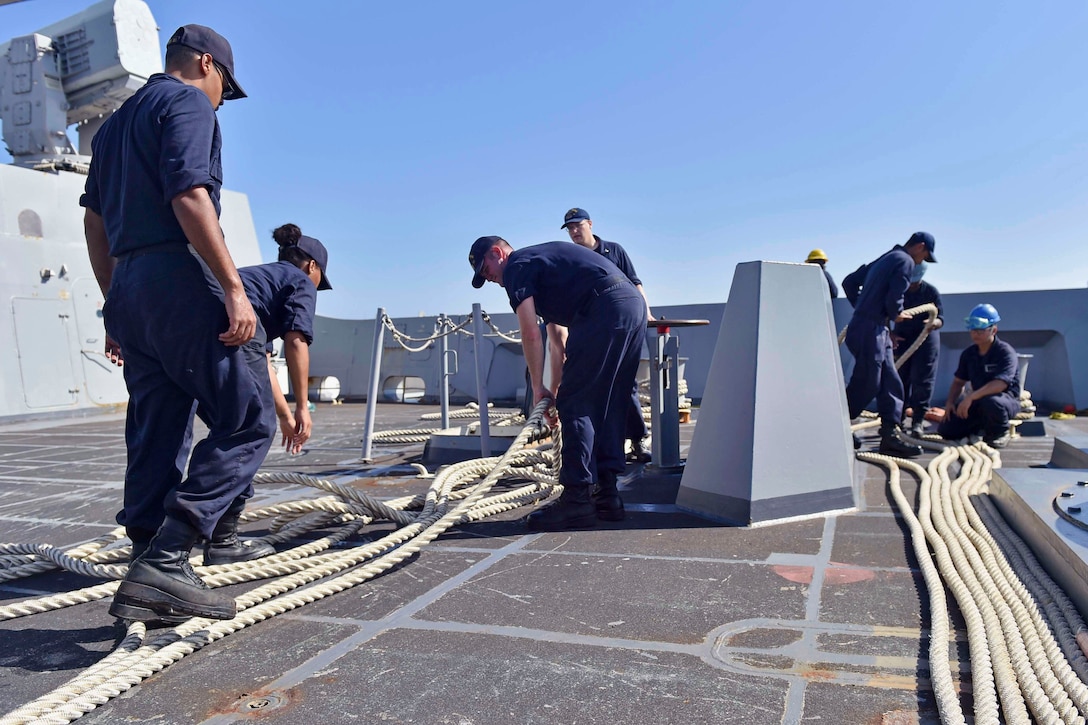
point(772, 439)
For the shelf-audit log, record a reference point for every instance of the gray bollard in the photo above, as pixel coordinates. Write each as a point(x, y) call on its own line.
point(772, 439)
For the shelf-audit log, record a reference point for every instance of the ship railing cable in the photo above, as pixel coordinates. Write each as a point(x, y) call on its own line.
point(1026, 639)
point(460, 493)
point(443, 327)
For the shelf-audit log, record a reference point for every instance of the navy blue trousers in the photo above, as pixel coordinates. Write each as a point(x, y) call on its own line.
point(166, 318)
point(635, 425)
point(988, 416)
point(918, 374)
point(874, 372)
point(604, 344)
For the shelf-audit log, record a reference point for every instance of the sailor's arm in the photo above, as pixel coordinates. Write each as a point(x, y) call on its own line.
point(557, 341)
point(196, 214)
point(532, 348)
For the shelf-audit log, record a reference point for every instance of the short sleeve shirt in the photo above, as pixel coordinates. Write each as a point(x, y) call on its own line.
point(999, 363)
point(617, 255)
point(283, 297)
point(162, 141)
point(560, 277)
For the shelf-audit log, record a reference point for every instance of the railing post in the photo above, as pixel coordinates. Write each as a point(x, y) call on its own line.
point(481, 380)
point(444, 386)
point(375, 378)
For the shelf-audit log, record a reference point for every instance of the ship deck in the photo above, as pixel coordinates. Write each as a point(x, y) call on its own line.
point(662, 618)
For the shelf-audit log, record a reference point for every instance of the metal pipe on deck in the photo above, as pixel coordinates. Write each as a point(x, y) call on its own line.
point(481, 380)
point(375, 378)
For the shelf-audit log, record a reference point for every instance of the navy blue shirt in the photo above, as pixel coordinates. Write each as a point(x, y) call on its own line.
point(162, 141)
point(998, 364)
point(617, 255)
point(886, 280)
point(283, 298)
point(560, 277)
point(910, 329)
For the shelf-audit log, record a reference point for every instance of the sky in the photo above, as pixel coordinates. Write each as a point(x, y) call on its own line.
point(698, 135)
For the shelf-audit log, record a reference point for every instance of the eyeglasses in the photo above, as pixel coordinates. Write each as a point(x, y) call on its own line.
point(229, 91)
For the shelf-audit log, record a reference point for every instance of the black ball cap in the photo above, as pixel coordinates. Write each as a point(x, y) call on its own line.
point(203, 39)
point(476, 256)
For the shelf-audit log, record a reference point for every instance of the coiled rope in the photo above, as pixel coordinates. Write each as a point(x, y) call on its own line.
point(1024, 634)
point(459, 494)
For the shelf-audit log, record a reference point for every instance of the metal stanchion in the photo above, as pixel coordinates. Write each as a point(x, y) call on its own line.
point(481, 380)
point(664, 393)
point(444, 386)
point(375, 378)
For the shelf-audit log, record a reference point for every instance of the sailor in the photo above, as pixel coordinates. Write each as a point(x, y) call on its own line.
point(177, 309)
point(580, 228)
point(919, 371)
point(596, 324)
point(284, 296)
point(817, 256)
point(990, 366)
point(876, 301)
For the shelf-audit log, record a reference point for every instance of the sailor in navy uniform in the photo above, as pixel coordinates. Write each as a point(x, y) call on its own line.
point(284, 295)
point(580, 228)
point(919, 371)
point(878, 299)
point(180, 318)
point(990, 366)
point(596, 324)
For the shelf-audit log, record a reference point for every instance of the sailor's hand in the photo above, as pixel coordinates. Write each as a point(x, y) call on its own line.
point(963, 408)
point(287, 430)
point(904, 315)
point(550, 415)
point(303, 428)
point(243, 321)
point(113, 352)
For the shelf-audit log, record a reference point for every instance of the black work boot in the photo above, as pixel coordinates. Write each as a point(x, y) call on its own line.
point(639, 452)
point(140, 538)
point(573, 510)
point(162, 585)
point(857, 441)
point(226, 548)
point(892, 445)
point(606, 498)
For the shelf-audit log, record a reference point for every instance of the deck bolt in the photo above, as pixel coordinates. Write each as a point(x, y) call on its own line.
point(1074, 509)
point(257, 704)
point(1082, 483)
point(1067, 494)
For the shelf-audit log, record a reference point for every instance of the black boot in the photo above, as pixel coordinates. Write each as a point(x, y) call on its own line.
point(606, 498)
point(573, 510)
point(140, 538)
point(892, 445)
point(857, 441)
point(162, 585)
point(639, 452)
point(226, 548)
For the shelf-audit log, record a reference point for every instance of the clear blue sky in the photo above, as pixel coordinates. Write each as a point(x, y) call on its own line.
point(697, 134)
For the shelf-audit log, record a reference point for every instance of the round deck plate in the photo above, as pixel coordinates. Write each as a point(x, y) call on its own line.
point(1072, 504)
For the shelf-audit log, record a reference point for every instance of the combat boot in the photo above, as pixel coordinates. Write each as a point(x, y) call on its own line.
point(606, 498)
point(892, 445)
point(140, 538)
point(161, 584)
point(573, 510)
point(226, 548)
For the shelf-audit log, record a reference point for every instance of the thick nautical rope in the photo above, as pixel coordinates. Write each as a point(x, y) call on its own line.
point(460, 493)
point(1025, 636)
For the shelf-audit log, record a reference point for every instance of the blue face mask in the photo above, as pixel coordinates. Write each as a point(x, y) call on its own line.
point(918, 273)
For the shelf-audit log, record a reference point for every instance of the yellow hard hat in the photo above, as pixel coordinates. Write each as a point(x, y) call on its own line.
point(816, 255)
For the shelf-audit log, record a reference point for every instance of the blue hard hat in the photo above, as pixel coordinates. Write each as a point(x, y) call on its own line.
point(982, 317)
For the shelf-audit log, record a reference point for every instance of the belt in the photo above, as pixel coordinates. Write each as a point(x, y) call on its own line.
point(165, 248)
point(609, 283)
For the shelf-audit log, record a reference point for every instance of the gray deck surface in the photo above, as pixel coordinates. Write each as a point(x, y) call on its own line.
point(662, 618)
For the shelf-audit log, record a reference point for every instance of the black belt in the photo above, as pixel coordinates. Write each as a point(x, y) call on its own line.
point(166, 248)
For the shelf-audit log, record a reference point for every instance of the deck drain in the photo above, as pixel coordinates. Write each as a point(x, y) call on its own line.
point(262, 703)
